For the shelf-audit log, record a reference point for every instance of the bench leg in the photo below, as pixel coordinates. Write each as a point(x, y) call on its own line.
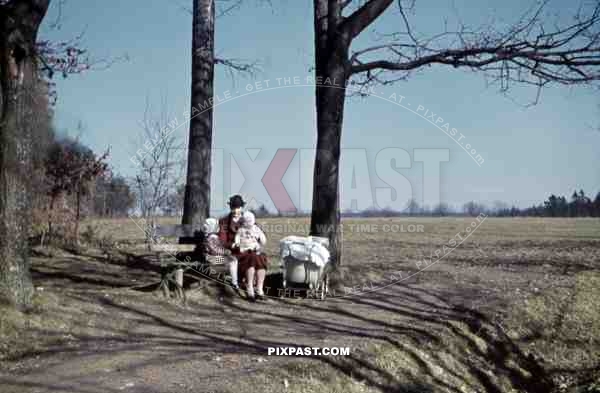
point(176, 277)
point(170, 274)
point(165, 282)
point(164, 286)
point(164, 277)
point(179, 292)
point(179, 278)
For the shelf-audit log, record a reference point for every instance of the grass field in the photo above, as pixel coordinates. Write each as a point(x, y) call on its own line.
point(513, 305)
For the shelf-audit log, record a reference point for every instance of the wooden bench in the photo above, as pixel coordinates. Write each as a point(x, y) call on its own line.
point(176, 259)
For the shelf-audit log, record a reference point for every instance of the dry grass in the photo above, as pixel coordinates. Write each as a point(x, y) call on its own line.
point(533, 286)
point(20, 331)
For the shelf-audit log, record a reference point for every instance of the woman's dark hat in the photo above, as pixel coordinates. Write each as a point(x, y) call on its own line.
point(236, 201)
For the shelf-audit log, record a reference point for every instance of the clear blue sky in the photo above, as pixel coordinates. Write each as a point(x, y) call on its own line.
point(529, 153)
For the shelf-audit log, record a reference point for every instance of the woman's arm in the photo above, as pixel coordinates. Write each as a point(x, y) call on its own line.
point(224, 233)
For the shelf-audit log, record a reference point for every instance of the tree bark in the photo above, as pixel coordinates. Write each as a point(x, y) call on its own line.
point(77, 213)
point(332, 71)
point(19, 23)
point(51, 215)
point(197, 190)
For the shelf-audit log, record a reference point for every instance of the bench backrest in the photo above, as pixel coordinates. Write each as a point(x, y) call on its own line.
point(187, 234)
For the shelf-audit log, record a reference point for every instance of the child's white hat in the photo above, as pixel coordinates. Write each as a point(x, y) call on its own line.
point(211, 225)
point(248, 218)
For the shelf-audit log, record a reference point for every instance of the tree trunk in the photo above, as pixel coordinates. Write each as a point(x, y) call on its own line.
point(19, 22)
point(331, 56)
point(104, 210)
point(77, 214)
point(325, 218)
point(197, 190)
point(50, 215)
point(149, 231)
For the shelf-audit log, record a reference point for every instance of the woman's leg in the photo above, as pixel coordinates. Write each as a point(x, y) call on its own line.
point(233, 271)
point(260, 280)
point(243, 266)
point(250, 281)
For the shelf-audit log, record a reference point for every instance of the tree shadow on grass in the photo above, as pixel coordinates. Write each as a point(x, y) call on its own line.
point(431, 343)
point(499, 351)
point(186, 341)
point(74, 278)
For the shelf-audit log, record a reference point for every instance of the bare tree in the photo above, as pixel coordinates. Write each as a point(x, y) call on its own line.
point(441, 209)
point(113, 196)
point(413, 207)
point(529, 52)
point(173, 205)
point(160, 163)
point(197, 189)
point(71, 168)
point(472, 208)
point(19, 24)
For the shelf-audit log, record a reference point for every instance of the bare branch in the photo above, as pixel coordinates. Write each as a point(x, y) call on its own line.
point(56, 24)
point(240, 66)
point(526, 53)
point(66, 58)
point(364, 16)
point(232, 65)
point(236, 4)
point(407, 25)
point(225, 9)
point(159, 169)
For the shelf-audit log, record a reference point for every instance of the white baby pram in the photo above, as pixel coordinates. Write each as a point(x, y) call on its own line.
point(305, 260)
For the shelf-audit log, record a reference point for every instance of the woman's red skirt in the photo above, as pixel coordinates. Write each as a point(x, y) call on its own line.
point(249, 259)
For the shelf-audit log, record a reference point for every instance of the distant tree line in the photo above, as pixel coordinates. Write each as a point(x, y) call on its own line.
point(579, 205)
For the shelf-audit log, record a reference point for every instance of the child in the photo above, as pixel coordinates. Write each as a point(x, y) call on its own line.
point(214, 247)
point(250, 239)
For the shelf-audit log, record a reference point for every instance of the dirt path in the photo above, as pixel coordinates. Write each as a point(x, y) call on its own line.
point(124, 341)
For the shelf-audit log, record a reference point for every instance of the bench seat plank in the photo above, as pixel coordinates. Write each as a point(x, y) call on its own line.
point(172, 248)
point(176, 230)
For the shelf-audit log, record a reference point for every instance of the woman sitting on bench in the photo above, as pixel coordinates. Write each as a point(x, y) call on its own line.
point(250, 240)
point(251, 266)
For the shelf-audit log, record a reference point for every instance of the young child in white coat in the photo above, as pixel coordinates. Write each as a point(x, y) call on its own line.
point(214, 247)
point(250, 237)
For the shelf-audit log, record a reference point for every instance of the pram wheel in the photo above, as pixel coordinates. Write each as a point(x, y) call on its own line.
point(324, 287)
point(283, 287)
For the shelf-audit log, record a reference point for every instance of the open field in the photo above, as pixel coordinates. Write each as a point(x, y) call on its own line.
point(514, 308)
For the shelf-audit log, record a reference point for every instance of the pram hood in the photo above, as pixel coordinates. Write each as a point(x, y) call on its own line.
point(309, 248)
